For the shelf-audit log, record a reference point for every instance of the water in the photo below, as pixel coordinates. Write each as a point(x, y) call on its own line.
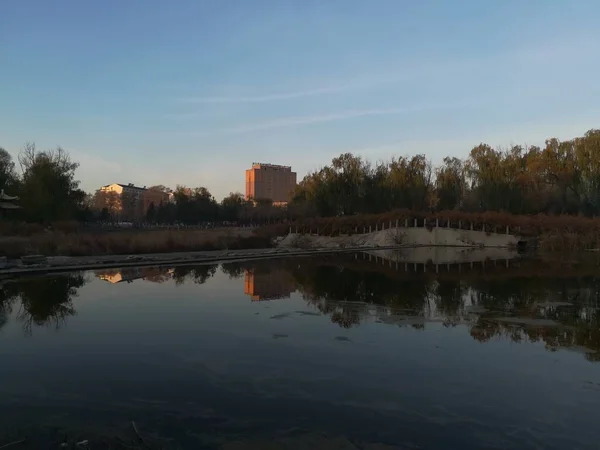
point(346, 352)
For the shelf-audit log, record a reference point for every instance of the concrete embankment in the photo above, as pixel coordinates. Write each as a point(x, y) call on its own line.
point(409, 237)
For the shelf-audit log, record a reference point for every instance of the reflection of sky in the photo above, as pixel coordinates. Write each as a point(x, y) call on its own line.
point(200, 348)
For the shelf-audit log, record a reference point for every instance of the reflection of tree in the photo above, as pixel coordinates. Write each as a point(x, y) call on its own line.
point(449, 300)
point(156, 274)
point(351, 290)
point(44, 300)
point(343, 293)
point(197, 274)
point(7, 299)
point(233, 269)
point(571, 303)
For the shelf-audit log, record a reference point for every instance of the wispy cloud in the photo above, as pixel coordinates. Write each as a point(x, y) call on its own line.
point(343, 115)
point(276, 96)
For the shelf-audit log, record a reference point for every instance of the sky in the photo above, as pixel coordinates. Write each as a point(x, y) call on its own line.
point(192, 91)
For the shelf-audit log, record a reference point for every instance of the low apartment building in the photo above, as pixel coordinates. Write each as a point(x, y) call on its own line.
point(130, 202)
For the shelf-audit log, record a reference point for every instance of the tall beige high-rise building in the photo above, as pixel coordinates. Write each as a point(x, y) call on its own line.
point(270, 182)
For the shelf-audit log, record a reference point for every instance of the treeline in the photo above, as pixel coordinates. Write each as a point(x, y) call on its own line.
point(49, 192)
point(560, 178)
point(186, 206)
point(563, 177)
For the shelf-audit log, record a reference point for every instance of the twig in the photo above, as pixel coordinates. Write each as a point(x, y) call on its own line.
point(138, 434)
point(10, 444)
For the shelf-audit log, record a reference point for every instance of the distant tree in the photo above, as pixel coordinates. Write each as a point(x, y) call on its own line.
point(263, 202)
point(104, 215)
point(450, 184)
point(8, 176)
point(159, 188)
point(109, 201)
point(151, 214)
point(49, 190)
point(232, 206)
point(129, 206)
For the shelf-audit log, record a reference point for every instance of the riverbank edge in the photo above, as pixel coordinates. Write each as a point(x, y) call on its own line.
point(191, 258)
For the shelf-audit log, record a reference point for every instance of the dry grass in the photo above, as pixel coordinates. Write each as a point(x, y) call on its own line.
point(130, 242)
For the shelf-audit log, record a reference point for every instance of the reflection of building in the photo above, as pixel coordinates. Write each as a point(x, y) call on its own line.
point(152, 274)
point(270, 182)
point(269, 285)
point(120, 275)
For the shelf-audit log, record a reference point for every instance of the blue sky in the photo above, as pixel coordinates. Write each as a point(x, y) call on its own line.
point(193, 92)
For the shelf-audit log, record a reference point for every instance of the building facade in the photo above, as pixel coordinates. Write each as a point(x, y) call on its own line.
point(130, 202)
point(270, 182)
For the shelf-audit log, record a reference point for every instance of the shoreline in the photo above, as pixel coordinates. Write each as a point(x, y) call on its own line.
point(76, 263)
point(56, 264)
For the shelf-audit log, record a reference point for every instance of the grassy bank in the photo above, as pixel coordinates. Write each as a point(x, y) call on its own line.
point(57, 243)
point(561, 232)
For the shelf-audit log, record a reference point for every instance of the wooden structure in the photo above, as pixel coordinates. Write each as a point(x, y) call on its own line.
point(7, 202)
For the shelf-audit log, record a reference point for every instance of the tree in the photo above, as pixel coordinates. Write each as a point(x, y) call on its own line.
point(450, 184)
point(129, 206)
point(49, 190)
point(108, 203)
point(232, 206)
point(160, 188)
point(8, 176)
point(151, 214)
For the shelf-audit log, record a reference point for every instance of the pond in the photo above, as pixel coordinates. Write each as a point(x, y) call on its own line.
point(352, 351)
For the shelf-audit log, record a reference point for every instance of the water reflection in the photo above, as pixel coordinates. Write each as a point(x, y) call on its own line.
point(561, 312)
point(180, 274)
point(268, 283)
point(370, 349)
point(40, 301)
point(517, 299)
point(195, 274)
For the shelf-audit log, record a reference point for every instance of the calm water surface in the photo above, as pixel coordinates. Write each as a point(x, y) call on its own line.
point(345, 352)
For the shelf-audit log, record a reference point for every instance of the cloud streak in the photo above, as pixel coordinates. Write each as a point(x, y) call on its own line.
point(274, 97)
point(343, 115)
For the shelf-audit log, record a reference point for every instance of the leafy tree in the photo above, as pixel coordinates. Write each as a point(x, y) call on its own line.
point(8, 176)
point(109, 202)
point(450, 184)
point(151, 214)
point(232, 206)
point(129, 206)
point(49, 190)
